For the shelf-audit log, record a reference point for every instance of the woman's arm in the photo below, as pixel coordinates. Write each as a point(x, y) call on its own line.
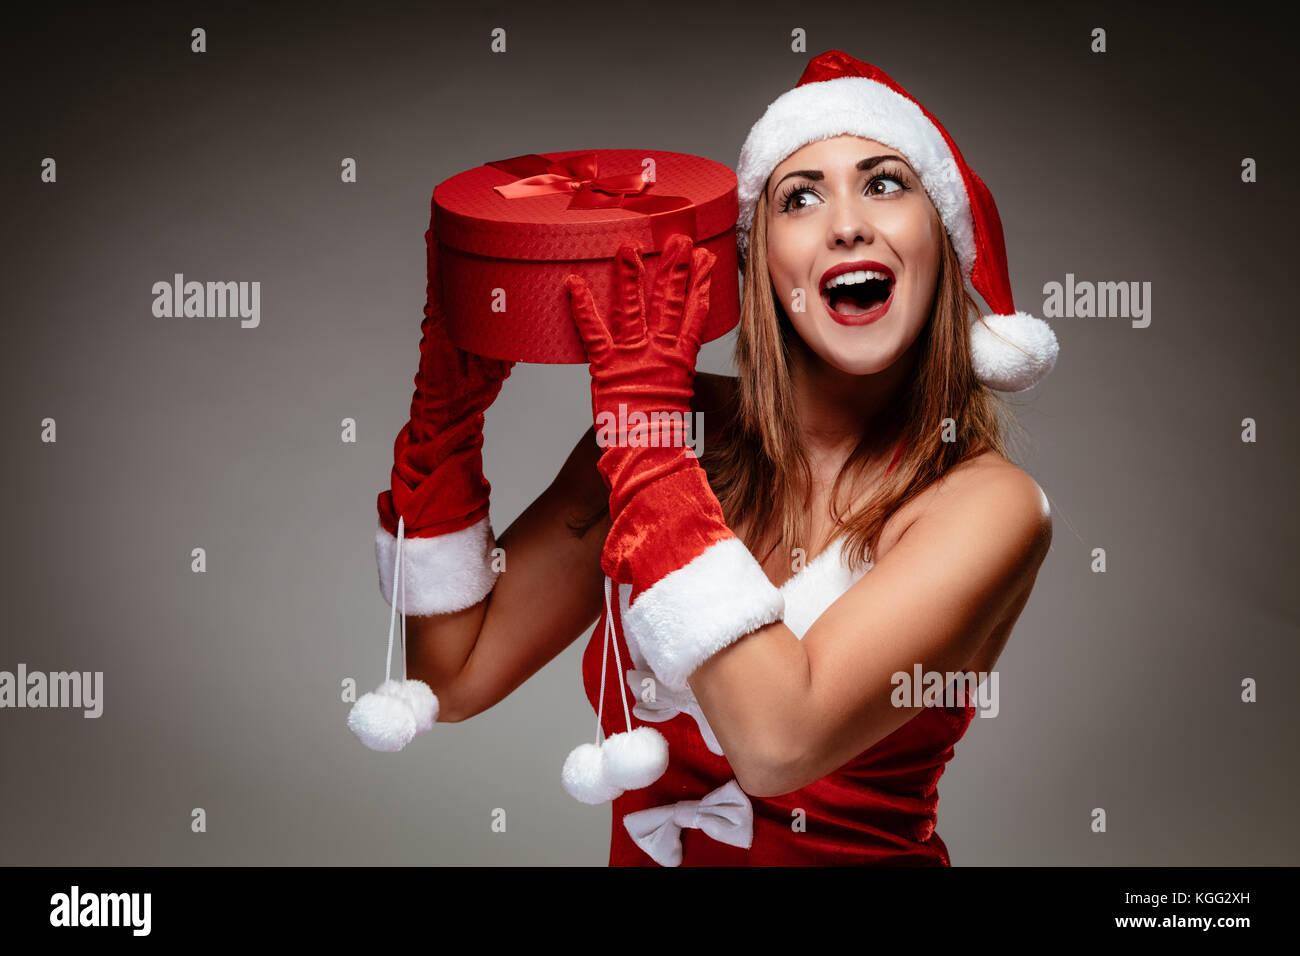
point(549, 593)
point(789, 711)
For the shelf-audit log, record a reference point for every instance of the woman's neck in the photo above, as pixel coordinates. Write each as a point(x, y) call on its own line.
point(836, 410)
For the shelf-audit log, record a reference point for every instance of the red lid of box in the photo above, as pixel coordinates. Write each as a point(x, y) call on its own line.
point(471, 215)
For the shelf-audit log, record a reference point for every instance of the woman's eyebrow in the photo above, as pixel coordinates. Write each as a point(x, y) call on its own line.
point(816, 175)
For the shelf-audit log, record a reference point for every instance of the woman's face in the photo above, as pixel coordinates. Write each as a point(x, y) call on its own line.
point(849, 201)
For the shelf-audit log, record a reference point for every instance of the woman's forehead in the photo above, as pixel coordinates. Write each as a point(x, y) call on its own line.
point(846, 148)
point(832, 153)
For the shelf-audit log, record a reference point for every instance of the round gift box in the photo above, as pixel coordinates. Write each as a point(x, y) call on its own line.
point(504, 258)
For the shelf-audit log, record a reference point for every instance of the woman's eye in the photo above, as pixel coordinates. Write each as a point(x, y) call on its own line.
point(871, 187)
point(790, 200)
point(790, 203)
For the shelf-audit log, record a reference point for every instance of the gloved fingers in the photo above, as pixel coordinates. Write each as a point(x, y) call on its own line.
point(591, 327)
point(627, 321)
point(697, 301)
point(441, 369)
point(433, 281)
point(670, 289)
point(453, 382)
point(490, 371)
point(434, 315)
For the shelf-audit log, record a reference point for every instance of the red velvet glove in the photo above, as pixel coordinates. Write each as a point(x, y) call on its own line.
point(437, 484)
point(440, 553)
point(695, 586)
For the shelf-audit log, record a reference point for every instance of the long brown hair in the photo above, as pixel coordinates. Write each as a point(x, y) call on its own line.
point(756, 461)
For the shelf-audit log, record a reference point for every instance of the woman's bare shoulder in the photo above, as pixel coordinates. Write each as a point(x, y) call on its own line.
point(988, 471)
point(988, 478)
point(991, 469)
point(994, 481)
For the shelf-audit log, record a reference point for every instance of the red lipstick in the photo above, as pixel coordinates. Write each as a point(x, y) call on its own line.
point(862, 265)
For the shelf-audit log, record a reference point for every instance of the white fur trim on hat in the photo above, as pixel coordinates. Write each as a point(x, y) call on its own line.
point(863, 107)
point(444, 573)
point(689, 615)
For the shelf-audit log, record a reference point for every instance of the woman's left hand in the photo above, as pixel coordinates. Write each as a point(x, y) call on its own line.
point(695, 588)
point(643, 363)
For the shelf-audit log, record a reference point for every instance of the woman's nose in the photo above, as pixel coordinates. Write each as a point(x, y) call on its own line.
point(849, 227)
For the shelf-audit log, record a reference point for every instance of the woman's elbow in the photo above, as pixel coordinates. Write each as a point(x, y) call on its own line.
point(763, 772)
point(454, 706)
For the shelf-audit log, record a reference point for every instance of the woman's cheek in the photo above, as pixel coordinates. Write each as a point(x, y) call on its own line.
point(782, 288)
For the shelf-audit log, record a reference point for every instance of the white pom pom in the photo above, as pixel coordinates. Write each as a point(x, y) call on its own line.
point(420, 697)
point(1014, 352)
point(635, 758)
point(584, 778)
point(382, 720)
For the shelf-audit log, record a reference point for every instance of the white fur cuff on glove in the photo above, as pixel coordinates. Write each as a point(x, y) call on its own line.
point(441, 574)
point(687, 616)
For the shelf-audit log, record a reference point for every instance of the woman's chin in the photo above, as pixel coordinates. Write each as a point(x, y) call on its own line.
point(862, 350)
point(856, 361)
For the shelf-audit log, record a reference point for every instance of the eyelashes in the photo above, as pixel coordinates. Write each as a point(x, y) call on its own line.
point(896, 173)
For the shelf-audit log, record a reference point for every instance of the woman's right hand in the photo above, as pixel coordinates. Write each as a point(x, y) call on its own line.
point(437, 481)
point(452, 384)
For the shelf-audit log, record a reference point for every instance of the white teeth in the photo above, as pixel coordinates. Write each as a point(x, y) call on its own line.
point(848, 278)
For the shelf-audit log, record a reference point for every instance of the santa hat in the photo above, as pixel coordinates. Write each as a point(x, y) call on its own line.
point(837, 95)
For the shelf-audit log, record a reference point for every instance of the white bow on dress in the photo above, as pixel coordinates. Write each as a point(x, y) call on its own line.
point(667, 704)
point(724, 814)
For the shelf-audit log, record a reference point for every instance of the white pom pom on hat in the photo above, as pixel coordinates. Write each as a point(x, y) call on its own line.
point(837, 95)
point(1010, 350)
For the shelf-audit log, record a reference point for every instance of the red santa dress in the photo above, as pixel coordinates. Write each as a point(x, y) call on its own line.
point(879, 808)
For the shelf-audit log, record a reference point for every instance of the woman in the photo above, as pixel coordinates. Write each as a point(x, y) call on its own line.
point(861, 424)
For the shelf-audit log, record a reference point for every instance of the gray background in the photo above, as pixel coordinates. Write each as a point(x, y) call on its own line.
point(1118, 690)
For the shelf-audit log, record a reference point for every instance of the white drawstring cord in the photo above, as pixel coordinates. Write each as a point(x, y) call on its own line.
point(604, 656)
point(388, 717)
point(403, 591)
point(618, 664)
point(600, 772)
point(399, 586)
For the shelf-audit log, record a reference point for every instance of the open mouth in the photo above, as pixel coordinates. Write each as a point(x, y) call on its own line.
point(857, 293)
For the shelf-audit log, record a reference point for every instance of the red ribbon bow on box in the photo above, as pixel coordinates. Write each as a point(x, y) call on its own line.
point(579, 174)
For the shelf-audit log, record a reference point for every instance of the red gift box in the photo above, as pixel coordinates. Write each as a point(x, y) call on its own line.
point(510, 231)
